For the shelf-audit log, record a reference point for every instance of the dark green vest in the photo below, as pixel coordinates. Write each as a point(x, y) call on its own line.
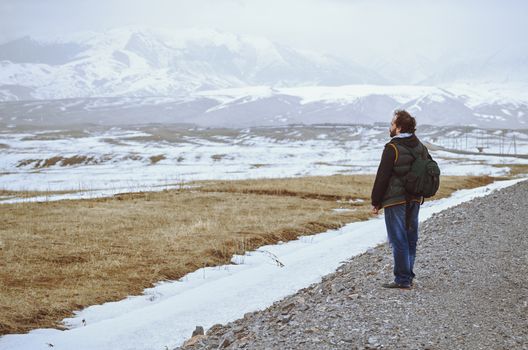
point(395, 193)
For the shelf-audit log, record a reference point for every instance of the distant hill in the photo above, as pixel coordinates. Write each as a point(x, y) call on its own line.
point(255, 106)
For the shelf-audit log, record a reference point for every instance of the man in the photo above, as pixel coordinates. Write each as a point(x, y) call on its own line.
point(388, 192)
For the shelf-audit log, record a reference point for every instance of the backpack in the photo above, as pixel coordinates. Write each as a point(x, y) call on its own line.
point(424, 177)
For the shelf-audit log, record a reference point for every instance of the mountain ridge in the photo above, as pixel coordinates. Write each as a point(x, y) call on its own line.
point(262, 82)
point(132, 62)
point(264, 105)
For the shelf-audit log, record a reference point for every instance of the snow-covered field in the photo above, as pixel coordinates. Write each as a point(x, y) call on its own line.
point(165, 315)
point(103, 162)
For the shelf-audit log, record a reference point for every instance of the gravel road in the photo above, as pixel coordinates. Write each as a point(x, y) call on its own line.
point(471, 292)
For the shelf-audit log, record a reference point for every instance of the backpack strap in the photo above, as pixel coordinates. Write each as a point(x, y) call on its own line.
point(395, 150)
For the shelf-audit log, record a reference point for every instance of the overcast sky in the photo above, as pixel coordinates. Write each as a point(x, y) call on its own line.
point(350, 28)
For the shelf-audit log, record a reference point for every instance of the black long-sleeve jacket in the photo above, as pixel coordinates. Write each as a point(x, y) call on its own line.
point(385, 169)
point(381, 183)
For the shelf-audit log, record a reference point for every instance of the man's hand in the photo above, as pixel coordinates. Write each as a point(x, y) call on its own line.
point(375, 210)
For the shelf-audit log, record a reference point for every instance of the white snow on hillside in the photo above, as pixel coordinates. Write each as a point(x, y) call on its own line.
point(135, 61)
point(102, 163)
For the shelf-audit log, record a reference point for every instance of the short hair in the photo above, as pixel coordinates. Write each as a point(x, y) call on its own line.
point(404, 121)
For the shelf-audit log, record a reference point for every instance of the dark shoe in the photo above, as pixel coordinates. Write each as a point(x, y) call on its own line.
point(396, 285)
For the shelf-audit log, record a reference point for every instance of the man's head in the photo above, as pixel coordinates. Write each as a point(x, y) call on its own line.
point(402, 122)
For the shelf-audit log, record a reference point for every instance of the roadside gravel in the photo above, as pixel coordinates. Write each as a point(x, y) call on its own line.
point(471, 292)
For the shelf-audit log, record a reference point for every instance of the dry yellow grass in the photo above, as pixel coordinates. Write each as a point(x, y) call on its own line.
point(156, 158)
point(57, 257)
point(337, 187)
point(57, 135)
point(515, 169)
point(29, 194)
point(60, 160)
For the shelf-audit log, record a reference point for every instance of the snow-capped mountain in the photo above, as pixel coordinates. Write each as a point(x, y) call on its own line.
point(202, 76)
point(146, 62)
point(494, 107)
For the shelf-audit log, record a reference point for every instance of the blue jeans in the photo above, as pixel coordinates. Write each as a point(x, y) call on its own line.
point(402, 241)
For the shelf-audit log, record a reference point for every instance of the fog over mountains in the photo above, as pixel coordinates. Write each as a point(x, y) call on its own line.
point(222, 79)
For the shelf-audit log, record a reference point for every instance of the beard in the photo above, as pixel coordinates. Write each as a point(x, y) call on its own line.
point(392, 133)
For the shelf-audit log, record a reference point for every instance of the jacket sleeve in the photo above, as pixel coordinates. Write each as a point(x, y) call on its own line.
point(381, 183)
